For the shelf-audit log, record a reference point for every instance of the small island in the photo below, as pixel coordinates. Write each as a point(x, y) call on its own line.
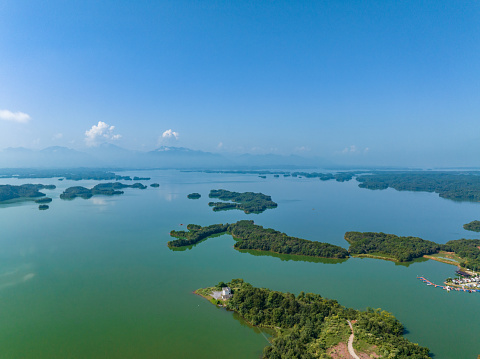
point(155, 185)
point(472, 226)
point(194, 196)
point(43, 207)
point(310, 326)
point(106, 189)
point(389, 246)
point(141, 178)
point(248, 235)
point(249, 202)
point(43, 200)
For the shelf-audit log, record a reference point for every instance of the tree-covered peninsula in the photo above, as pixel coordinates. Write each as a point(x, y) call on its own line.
point(459, 186)
point(249, 202)
point(248, 235)
point(309, 326)
point(105, 189)
point(389, 246)
point(468, 250)
point(9, 192)
point(472, 226)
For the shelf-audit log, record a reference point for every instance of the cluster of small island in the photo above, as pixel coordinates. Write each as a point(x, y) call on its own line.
point(310, 326)
point(32, 191)
point(248, 202)
point(249, 236)
point(454, 185)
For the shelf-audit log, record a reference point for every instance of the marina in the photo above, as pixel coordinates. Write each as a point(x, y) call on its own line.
point(447, 287)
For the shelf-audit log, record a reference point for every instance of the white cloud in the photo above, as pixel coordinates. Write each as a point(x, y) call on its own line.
point(301, 149)
point(58, 136)
point(100, 133)
point(169, 134)
point(14, 116)
point(220, 145)
point(353, 150)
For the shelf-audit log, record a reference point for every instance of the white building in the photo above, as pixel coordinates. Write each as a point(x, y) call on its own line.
point(226, 293)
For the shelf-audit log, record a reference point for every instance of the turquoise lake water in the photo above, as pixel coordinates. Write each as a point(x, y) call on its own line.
point(95, 279)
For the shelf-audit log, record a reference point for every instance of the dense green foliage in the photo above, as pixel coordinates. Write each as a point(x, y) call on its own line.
point(8, 192)
point(403, 249)
point(195, 234)
point(460, 186)
point(251, 236)
point(472, 226)
point(249, 202)
point(468, 250)
point(194, 196)
point(307, 325)
point(106, 189)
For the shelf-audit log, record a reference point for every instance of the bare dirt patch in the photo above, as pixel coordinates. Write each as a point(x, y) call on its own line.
point(339, 351)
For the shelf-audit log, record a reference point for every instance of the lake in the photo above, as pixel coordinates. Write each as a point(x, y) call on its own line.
point(95, 278)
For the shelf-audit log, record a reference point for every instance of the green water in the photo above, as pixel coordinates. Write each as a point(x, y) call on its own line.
point(95, 279)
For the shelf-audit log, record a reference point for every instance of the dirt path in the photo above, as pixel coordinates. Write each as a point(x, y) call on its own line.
point(350, 343)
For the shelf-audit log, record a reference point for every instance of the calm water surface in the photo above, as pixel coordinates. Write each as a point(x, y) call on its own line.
point(95, 279)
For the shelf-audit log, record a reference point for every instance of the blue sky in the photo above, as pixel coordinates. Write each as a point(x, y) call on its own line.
point(361, 82)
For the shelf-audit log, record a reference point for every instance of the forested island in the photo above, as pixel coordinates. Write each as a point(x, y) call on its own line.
point(459, 186)
point(9, 192)
point(106, 189)
point(309, 326)
point(389, 246)
point(43, 207)
point(472, 226)
point(248, 235)
point(249, 202)
point(194, 196)
point(155, 185)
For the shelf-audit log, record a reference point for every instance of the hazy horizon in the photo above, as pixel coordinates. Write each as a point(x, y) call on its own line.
point(377, 83)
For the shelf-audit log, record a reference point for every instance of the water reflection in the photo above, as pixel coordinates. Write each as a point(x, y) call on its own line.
point(291, 257)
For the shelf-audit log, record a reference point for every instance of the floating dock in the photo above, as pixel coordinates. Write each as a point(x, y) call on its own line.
point(448, 288)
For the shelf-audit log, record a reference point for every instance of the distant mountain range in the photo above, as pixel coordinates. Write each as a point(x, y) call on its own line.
point(108, 155)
